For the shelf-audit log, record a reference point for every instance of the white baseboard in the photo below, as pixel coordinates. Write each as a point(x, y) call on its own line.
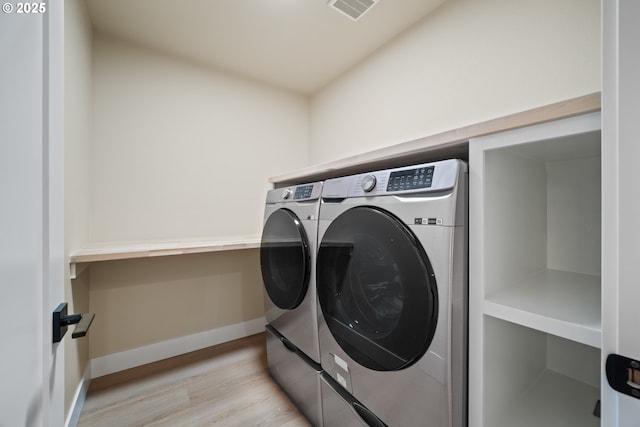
point(78, 399)
point(110, 363)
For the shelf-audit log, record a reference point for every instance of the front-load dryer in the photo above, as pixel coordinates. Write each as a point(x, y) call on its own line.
point(287, 260)
point(392, 289)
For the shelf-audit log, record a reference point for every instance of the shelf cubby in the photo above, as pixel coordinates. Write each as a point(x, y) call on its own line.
point(538, 379)
point(542, 219)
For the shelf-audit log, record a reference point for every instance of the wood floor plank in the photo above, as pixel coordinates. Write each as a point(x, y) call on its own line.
point(143, 410)
point(224, 385)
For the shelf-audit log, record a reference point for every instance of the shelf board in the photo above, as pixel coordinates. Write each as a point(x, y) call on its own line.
point(119, 251)
point(553, 400)
point(561, 303)
point(449, 144)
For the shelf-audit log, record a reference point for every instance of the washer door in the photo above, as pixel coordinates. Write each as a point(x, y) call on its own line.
point(376, 289)
point(285, 259)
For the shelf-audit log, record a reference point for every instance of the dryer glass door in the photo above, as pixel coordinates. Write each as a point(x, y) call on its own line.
point(285, 259)
point(376, 289)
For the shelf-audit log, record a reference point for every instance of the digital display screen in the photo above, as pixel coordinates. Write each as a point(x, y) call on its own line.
point(303, 192)
point(411, 179)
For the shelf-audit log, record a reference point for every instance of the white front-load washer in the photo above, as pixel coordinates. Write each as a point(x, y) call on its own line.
point(287, 260)
point(392, 289)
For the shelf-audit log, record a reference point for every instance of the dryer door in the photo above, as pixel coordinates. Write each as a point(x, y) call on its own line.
point(285, 259)
point(376, 289)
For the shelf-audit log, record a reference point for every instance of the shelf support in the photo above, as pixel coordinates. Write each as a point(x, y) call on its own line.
point(76, 269)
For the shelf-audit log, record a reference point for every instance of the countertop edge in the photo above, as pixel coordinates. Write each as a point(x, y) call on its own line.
point(110, 252)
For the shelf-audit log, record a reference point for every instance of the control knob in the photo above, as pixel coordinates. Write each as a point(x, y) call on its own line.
point(286, 193)
point(368, 183)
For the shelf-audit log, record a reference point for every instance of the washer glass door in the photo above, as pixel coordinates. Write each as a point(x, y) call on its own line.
point(285, 259)
point(376, 289)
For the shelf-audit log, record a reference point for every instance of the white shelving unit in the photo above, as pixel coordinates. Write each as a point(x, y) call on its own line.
point(535, 287)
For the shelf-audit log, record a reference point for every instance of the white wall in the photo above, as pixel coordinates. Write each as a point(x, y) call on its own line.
point(182, 151)
point(139, 302)
point(78, 118)
point(77, 135)
point(470, 61)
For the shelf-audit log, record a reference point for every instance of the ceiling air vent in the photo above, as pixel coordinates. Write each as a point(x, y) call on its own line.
point(354, 9)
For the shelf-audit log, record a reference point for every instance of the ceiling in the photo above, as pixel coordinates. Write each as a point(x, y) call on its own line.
point(300, 45)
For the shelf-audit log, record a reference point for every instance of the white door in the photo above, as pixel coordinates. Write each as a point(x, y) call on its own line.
point(621, 199)
point(31, 215)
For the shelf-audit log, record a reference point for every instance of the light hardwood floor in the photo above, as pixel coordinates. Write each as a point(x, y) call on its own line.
point(225, 385)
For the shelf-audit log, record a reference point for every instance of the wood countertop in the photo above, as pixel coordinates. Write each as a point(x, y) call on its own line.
point(131, 250)
point(453, 143)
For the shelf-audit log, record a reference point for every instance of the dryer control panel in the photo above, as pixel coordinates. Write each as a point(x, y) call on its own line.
point(295, 193)
point(303, 192)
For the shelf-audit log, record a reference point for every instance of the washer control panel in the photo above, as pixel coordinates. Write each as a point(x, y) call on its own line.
point(411, 179)
point(428, 177)
point(434, 177)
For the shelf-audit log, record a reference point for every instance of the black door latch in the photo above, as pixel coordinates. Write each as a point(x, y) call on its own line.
point(61, 320)
point(623, 375)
